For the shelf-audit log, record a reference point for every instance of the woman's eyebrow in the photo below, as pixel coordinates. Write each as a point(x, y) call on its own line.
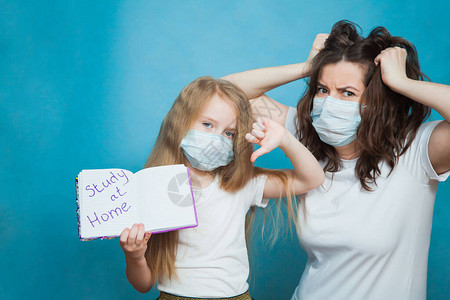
point(347, 87)
point(320, 84)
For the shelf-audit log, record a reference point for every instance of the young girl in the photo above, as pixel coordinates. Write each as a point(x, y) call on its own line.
point(210, 129)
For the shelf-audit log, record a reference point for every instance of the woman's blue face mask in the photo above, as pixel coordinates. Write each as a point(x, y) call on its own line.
point(335, 121)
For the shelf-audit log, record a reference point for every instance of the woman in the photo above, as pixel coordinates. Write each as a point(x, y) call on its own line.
point(366, 230)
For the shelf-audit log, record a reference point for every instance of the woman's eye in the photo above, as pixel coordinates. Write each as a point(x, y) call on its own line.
point(207, 124)
point(348, 94)
point(322, 90)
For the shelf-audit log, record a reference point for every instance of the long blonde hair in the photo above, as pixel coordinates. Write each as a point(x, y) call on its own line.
point(161, 250)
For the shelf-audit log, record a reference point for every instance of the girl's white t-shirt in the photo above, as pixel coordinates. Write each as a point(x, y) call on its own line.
point(370, 245)
point(212, 260)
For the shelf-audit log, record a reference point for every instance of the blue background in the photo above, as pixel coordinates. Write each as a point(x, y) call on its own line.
point(86, 84)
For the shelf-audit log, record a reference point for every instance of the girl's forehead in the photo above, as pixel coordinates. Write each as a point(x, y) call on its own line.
point(220, 109)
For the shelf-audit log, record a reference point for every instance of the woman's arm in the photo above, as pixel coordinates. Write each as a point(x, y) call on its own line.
point(134, 245)
point(307, 173)
point(257, 82)
point(434, 95)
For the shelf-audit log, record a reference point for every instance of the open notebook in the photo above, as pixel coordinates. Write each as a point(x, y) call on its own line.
point(110, 200)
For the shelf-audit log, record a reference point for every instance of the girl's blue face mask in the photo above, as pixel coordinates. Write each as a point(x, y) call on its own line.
point(206, 151)
point(335, 121)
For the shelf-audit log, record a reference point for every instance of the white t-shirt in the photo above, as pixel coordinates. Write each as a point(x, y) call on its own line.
point(212, 258)
point(370, 245)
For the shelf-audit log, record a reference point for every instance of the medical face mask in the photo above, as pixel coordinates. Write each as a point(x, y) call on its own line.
point(335, 120)
point(206, 151)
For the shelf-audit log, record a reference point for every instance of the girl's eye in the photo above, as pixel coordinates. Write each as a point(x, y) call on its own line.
point(229, 134)
point(207, 124)
point(348, 94)
point(321, 90)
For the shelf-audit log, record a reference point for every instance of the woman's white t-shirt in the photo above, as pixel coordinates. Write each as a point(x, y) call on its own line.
point(370, 245)
point(212, 260)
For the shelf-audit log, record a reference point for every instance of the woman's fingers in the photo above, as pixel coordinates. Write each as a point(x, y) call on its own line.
point(318, 44)
point(392, 62)
point(380, 56)
point(392, 52)
point(319, 41)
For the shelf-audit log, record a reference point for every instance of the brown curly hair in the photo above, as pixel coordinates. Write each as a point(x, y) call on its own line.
point(389, 121)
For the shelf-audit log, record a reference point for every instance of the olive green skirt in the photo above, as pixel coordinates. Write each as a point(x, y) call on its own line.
point(166, 296)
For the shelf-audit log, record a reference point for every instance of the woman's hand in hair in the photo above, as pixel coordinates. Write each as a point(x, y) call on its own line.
point(392, 62)
point(318, 44)
point(255, 83)
point(266, 133)
point(434, 95)
point(134, 241)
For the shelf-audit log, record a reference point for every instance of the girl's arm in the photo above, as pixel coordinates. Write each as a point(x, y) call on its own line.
point(307, 173)
point(434, 95)
point(255, 83)
point(134, 245)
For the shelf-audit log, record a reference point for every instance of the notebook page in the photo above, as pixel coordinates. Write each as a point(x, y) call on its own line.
point(107, 202)
point(166, 196)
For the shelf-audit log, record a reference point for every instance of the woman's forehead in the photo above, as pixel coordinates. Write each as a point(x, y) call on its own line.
point(342, 74)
